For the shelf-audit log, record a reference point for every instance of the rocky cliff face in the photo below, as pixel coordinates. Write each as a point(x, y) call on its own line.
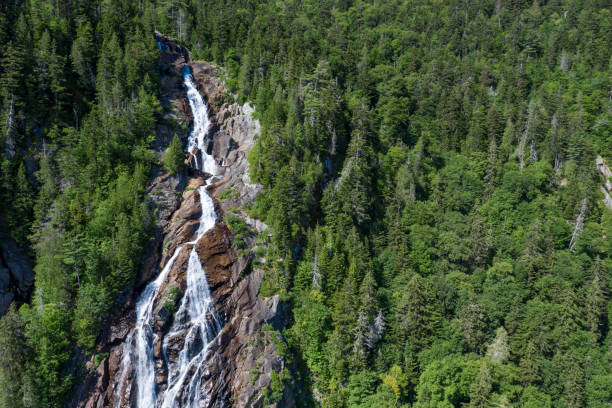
point(606, 188)
point(243, 356)
point(16, 274)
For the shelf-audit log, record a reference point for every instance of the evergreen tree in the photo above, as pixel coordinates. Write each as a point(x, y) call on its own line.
point(481, 389)
point(596, 303)
point(417, 319)
point(535, 256)
point(82, 54)
point(22, 203)
point(454, 140)
point(473, 322)
point(174, 156)
point(15, 354)
point(353, 187)
point(370, 322)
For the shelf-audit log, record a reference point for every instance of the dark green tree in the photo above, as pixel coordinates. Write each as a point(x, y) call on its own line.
point(174, 156)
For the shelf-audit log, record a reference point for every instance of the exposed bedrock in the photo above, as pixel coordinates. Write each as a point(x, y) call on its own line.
point(16, 274)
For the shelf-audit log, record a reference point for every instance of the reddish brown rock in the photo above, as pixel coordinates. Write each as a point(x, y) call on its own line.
point(184, 223)
point(114, 361)
point(214, 250)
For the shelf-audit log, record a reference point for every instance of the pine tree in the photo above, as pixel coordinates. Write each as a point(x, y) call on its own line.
point(416, 318)
point(322, 105)
point(22, 204)
point(492, 168)
point(369, 324)
point(480, 242)
point(477, 134)
point(570, 315)
point(46, 62)
point(596, 304)
point(481, 389)
point(528, 365)
point(495, 123)
point(289, 213)
point(174, 156)
point(557, 138)
point(11, 66)
point(473, 322)
point(536, 254)
point(82, 55)
point(572, 377)
point(528, 137)
point(343, 317)
point(354, 185)
point(508, 139)
point(14, 355)
point(48, 188)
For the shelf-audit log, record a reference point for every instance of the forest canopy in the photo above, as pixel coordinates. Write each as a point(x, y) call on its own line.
point(429, 177)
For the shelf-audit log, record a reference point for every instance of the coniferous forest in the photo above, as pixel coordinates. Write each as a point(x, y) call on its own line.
point(433, 180)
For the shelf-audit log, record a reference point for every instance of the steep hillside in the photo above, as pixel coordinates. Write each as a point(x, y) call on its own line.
point(390, 203)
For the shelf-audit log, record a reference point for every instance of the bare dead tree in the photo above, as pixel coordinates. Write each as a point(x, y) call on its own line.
point(579, 226)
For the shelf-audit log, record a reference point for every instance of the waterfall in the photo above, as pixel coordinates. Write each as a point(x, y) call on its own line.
point(196, 146)
point(195, 323)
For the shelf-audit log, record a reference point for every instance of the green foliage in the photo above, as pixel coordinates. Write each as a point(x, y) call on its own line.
point(98, 357)
point(423, 168)
point(276, 390)
point(239, 229)
point(92, 304)
point(445, 182)
point(254, 375)
point(173, 295)
point(78, 109)
point(15, 354)
point(48, 333)
point(174, 156)
point(447, 382)
point(229, 194)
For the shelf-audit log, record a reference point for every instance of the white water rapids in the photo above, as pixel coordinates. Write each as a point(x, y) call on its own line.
point(195, 323)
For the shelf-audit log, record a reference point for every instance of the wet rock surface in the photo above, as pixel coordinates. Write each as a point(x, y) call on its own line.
point(242, 346)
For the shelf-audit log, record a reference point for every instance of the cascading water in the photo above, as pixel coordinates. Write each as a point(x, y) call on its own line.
point(196, 146)
point(195, 321)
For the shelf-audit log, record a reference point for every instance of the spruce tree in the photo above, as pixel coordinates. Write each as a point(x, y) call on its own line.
point(596, 302)
point(416, 318)
point(14, 355)
point(481, 388)
point(174, 156)
point(473, 322)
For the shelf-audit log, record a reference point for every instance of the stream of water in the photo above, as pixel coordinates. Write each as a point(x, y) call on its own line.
point(195, 323)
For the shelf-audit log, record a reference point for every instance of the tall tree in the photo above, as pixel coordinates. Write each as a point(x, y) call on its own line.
point(596, 303)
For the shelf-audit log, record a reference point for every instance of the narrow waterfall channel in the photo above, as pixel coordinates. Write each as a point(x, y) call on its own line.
point(195, 323)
